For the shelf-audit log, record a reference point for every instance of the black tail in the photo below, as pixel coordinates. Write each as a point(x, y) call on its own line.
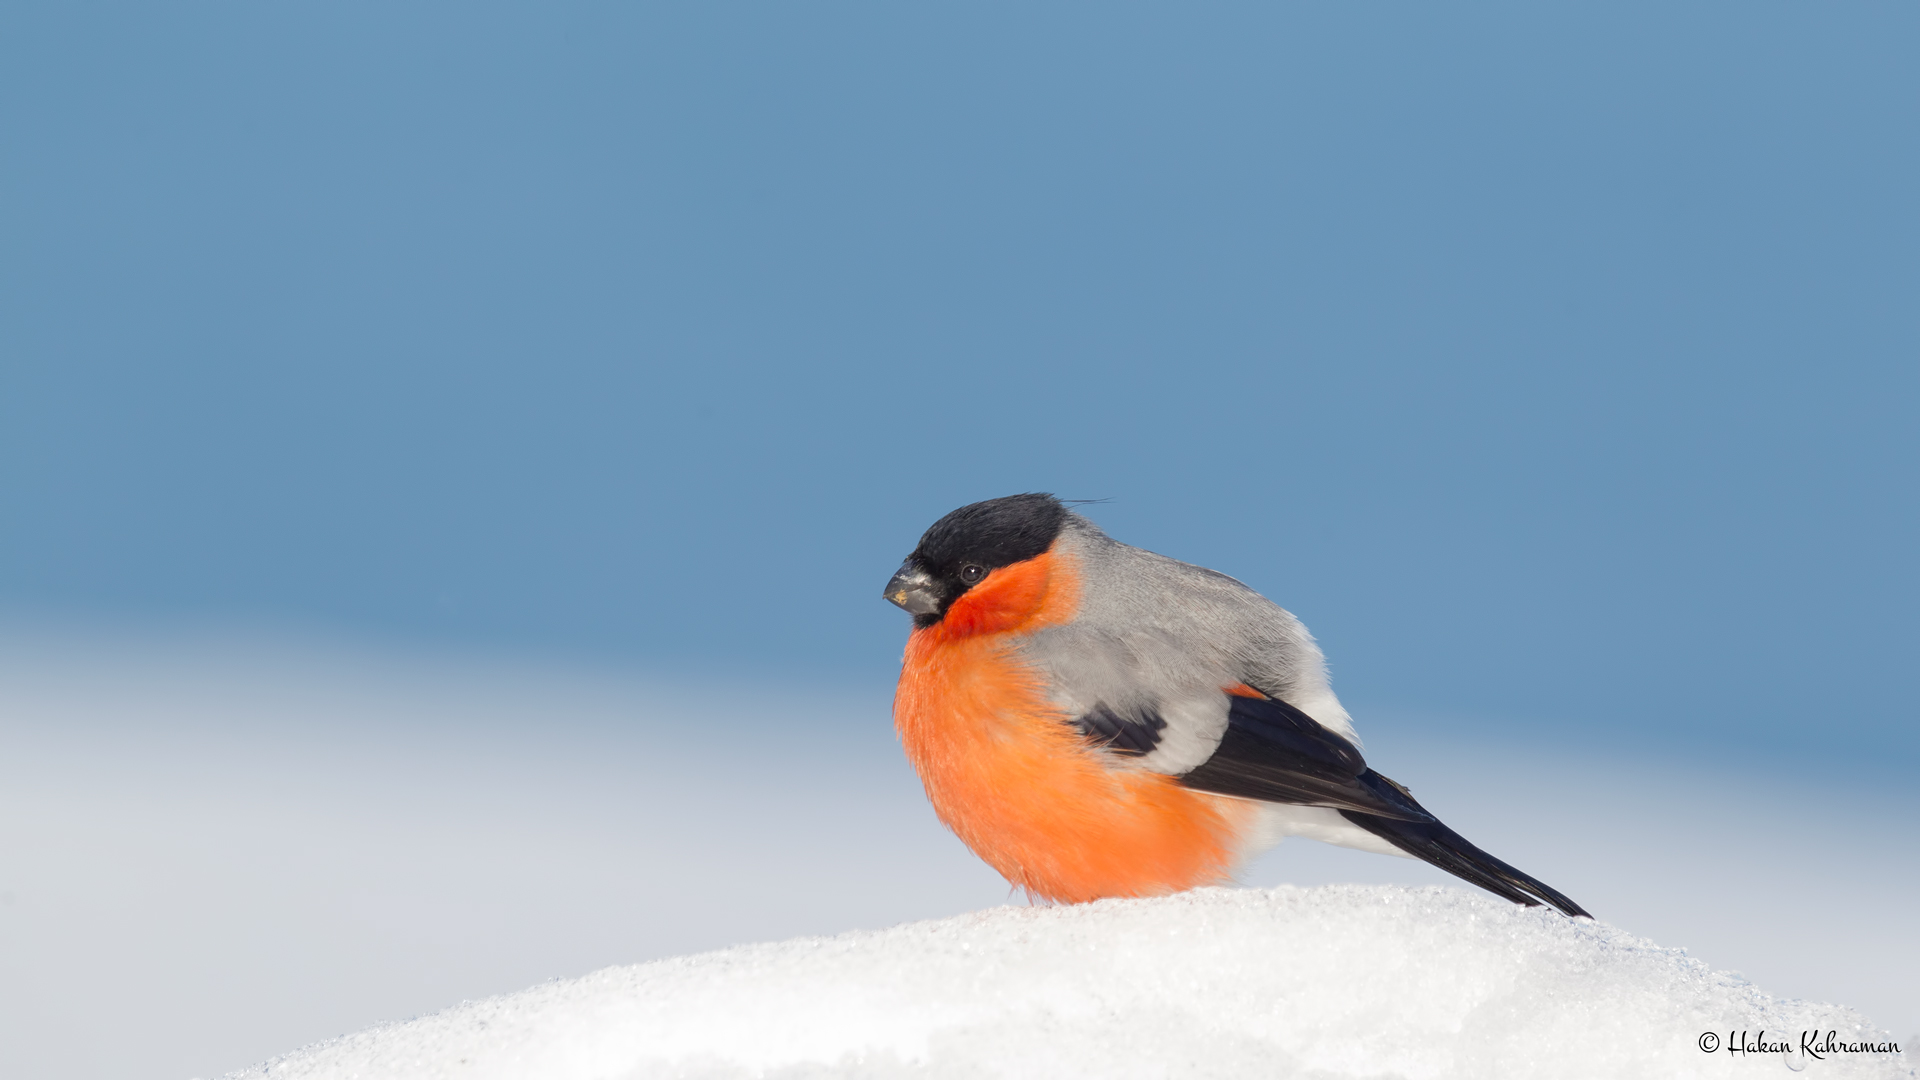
point(1429, 840)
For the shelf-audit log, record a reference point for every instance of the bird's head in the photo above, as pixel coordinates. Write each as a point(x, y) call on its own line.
point(964, 548)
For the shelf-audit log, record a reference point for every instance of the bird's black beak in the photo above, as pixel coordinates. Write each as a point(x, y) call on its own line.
point(913, 589)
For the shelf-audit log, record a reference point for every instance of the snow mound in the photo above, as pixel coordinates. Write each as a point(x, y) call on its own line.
point(1326, 982)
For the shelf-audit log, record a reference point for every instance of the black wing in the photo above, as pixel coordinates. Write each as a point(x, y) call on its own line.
point(1433, 842)
point(1273, 752)
point(1276, 753)
point(1121, 733)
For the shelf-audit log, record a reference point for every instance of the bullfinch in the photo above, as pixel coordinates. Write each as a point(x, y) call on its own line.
point(1096, 720)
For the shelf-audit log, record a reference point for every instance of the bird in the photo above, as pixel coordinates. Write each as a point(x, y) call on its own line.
point(1096, 720)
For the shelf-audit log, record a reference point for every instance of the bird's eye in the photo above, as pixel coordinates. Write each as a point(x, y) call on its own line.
point(971, 574)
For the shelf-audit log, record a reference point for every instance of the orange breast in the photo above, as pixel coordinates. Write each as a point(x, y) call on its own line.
point(1006, 770)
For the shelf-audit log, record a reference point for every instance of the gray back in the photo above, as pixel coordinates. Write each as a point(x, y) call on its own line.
point(1157, 635)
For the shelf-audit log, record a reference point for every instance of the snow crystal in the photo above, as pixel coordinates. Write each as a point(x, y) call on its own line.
point(1335, 981)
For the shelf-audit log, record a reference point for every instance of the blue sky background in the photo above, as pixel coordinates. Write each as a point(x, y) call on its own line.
point(1557, 366)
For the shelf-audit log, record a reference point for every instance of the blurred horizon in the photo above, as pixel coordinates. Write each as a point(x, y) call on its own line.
point(67, 643)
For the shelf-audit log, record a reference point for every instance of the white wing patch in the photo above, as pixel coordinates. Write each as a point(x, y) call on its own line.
point(1194, 728)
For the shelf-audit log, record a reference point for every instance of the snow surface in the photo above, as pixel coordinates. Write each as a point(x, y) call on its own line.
point(1336, 981)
